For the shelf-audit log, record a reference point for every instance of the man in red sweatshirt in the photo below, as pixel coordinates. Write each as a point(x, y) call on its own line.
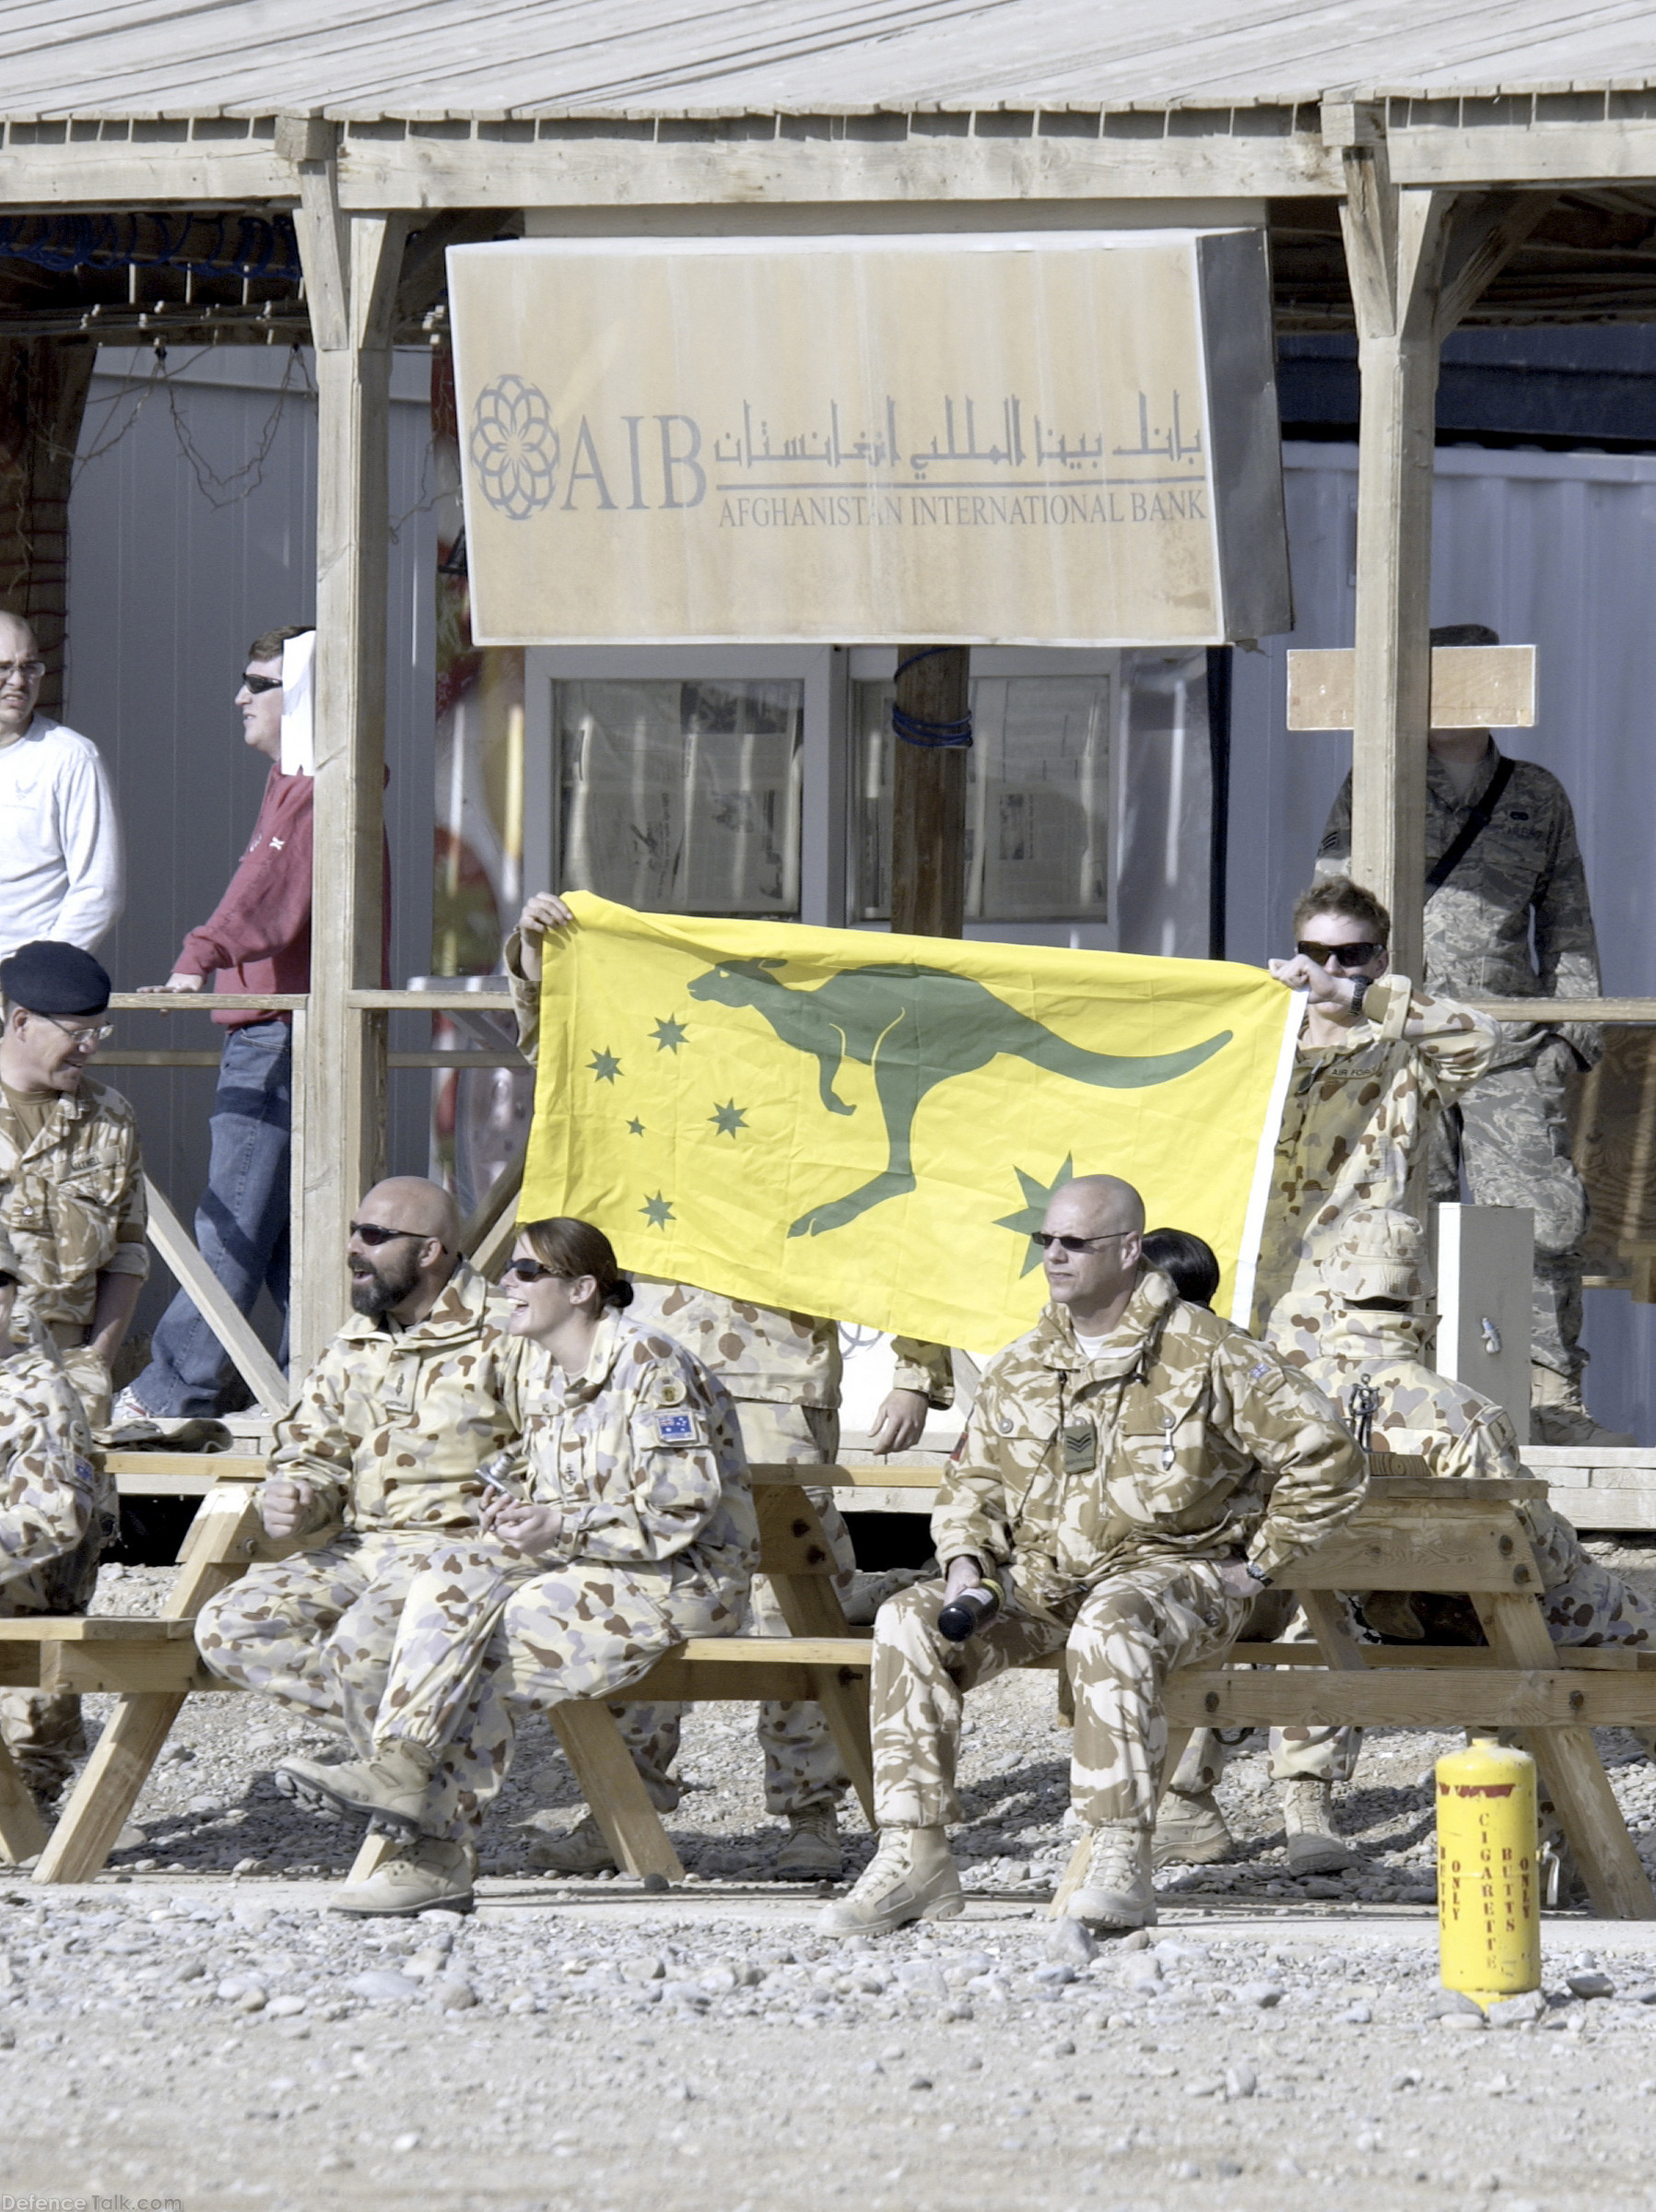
point(258, 938)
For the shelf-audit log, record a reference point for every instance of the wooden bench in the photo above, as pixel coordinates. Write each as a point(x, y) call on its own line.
point(1411, 1533)
point(152, 1664)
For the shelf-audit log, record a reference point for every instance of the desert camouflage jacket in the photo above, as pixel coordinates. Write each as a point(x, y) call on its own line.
point(69, 1196)
point(392, 1424)
point(1421, 1413)
point(59, 1507)
point(1182, 1437)
point(643, 1453)
point(1356, 1125)
point(1452, 1427)
point(760, 1354)
point(1523, 874)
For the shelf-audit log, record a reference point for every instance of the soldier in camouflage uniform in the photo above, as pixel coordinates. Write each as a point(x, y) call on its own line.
point(1376, 1064)
point(784, 1370)
point(71, 1203)
point(1512, 920)
point(628, 1527)
point(1368, 1355)
point(72, 1199)
point(380, 1454)
point(1133, 1472)
point(59, 1511)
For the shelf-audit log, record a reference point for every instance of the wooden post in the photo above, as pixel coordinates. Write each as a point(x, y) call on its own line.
point(351, 263)
point(1395, 242)
point(928, 796)
point(1416, 261)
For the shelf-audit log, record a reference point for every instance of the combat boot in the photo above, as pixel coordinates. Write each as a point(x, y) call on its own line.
point(1308, 1812)
point(429, 1873)
point(812, 1852)
point(911, 1876)
point(1115, 1891)
point(1557, 1415)
point(392, 1787)
point(585, 1850)
point(1190, 1830)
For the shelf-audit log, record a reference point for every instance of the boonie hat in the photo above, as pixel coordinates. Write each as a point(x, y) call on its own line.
point(1380, 1253)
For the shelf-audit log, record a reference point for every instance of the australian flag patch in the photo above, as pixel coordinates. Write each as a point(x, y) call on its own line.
point(674, 1426)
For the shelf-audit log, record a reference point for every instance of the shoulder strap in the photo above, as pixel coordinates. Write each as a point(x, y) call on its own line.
point(1474, 827)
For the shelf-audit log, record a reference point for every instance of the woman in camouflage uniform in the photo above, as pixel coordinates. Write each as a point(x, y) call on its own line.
point(623, 1525)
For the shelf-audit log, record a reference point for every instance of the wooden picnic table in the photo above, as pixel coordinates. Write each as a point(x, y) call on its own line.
point(1410, 1533)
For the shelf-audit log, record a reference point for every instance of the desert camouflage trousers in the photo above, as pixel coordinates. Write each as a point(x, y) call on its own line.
point(484, 1631)
point(1123, 1639)
point(318, 1630)
point(801, 1766)
point(42, 1729)
point(1509, 1136)
point(1582, 1602)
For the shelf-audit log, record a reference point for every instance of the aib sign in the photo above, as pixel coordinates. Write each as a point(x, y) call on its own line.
point(516, 450)
point(716, 440)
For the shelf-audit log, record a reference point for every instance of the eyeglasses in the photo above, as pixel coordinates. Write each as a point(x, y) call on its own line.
point(28, 671)
point(1046, 1240)
point(1348, 956)
point(80, 1038)
point(531, 1271)
point(372, 1235)
point(256, 684)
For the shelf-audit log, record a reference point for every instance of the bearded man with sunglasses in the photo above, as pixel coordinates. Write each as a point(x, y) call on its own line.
point(381, 1450)
point(1133, 1472)
point(1378, 1064)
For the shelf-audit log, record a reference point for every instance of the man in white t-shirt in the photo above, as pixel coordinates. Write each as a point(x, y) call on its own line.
point(62, 875)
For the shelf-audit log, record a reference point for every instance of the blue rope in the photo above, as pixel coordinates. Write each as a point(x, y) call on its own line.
point(935, 736)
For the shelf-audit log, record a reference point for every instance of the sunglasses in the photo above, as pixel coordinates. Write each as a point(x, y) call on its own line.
point(1046, 1240)
point(373, 1236)
point(256, 684)
point(1348, 956)
point(529, 1271)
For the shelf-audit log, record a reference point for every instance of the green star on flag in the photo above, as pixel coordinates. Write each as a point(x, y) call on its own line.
point(656, 1211)
point(669, 1035)
point(728, 1119)
point(1038, 1196)
point(606, 1067)
point(637, 1128)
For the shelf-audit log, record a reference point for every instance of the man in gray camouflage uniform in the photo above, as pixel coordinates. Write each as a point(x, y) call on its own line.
point(59, 1510)
point(784, 1370)
point(1368, 1352)
point(1519, 878)
point(1133, 1472)
point(379, 1451)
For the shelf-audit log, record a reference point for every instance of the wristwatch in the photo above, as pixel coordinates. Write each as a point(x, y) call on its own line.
point(1258, 1574)
point(1360, 991)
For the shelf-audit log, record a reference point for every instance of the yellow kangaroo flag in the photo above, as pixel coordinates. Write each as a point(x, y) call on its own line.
point(870, 1127)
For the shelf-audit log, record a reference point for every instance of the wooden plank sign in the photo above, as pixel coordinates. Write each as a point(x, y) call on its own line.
point(1041, 439)
point(1474, 688)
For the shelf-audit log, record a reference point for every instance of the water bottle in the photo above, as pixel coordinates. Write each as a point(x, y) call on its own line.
point(972, 1610)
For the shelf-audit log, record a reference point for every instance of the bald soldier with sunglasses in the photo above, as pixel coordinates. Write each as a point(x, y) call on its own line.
point(382, 1449)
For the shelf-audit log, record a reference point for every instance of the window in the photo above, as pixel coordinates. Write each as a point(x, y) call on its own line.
point(1038, 819)
point(681, 797)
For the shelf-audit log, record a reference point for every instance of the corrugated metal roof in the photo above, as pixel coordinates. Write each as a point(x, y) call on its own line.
point(370, 59)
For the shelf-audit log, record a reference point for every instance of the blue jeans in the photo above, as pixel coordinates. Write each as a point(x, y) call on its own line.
point(240, 1224)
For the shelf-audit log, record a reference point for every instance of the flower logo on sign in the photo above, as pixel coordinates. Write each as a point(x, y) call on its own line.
point(514, 447)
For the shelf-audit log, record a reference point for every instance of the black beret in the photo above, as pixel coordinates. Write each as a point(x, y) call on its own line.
point(50, 977)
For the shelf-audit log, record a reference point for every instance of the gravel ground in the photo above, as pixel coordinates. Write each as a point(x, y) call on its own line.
point(176, 2031)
